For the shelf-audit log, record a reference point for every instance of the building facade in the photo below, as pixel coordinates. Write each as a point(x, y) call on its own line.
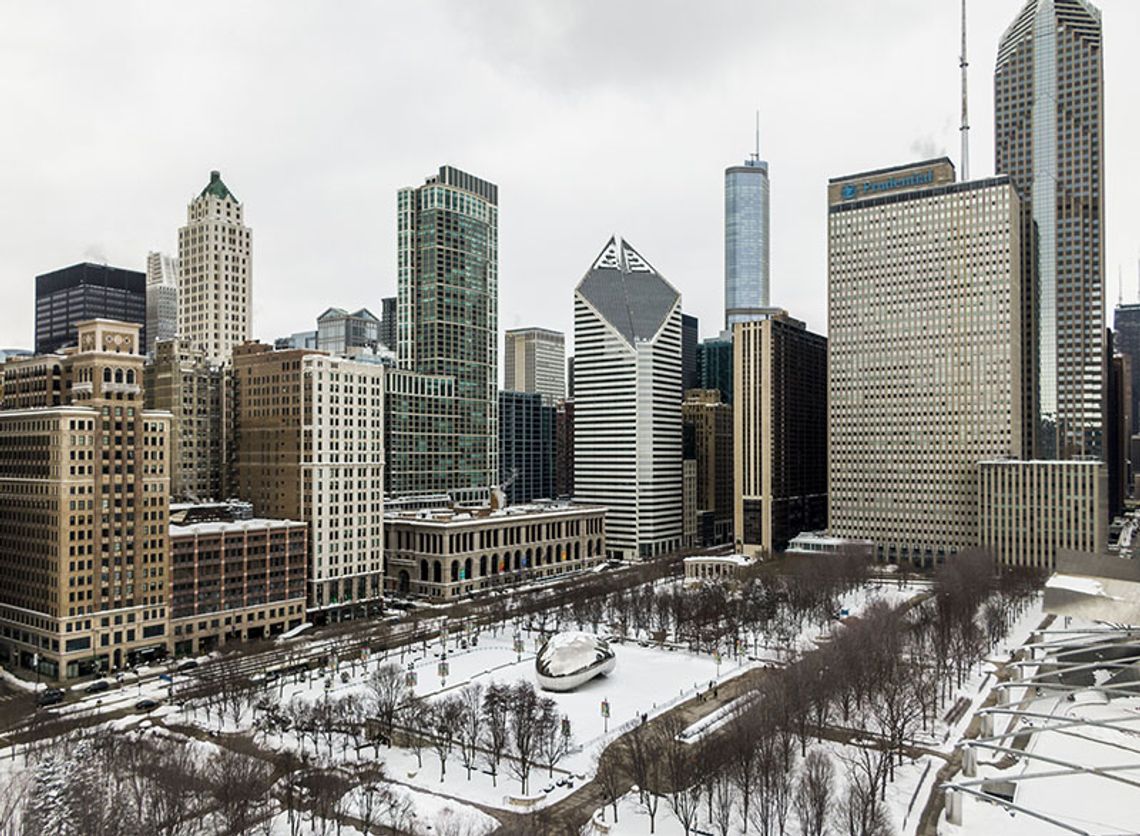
point(388, 322)
point(180, 381)
point(780, 433)
point(448, 307)
point(690, 336)
point(309, 445)
point(1126, 334)
point(446, 553)
point(714, 365)
point(340, 332)
point(564, 449)
point(85, 291)
point(215, 273)
point(1029, 510)
point(746, 245)
point(526, 447)
point(1049, 139)
point(421, 441)
point(235, 579)
point(927, 307)
point(711, 420)
point(84, 489)
point(161, 299)
point(534, 360)
point(627, 402)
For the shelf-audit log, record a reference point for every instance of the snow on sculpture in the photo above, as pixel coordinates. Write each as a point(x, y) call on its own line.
point(567, 660)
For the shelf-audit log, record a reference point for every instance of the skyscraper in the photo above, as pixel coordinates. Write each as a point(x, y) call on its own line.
point(309, 442)
point(526, 446)
point(84, 489)
point(534, 360)
point(711, 420)
point(690, 329)
point(1049, 138)
point(81, 292)
point(161, 299)
point(745, 240)
point(1126, 330)
point(780, 433)
point(448, 303)
point(627, 401)
point(338, 331)
point(388, 322)
point(714, 365)
point(214, 273)
point(925, 365)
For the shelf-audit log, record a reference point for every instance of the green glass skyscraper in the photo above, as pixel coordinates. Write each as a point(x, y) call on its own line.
point(448, 310)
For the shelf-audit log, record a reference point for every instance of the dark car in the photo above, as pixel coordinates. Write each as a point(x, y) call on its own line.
point(146, 705)
point(188, 665)
point(98, 687)
point(52, 696)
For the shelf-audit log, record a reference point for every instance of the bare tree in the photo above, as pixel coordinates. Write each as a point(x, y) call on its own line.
point(724, 802)
point(496, 711)
point(239, 786)
point(525, 720)
point(814, 793)
point(388, 689)
point(642, 757)
point(471, 730)
point(681, 774)
point(611, 779)
point(445, 722)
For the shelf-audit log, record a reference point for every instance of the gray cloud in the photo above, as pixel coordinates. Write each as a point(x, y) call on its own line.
point(593, 117)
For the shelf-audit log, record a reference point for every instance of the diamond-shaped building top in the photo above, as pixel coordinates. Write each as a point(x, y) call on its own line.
point(628, 292)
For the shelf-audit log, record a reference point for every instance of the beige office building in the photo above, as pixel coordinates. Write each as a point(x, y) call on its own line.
point(779, 384)
point(1030, 510)
point(84, 488)
point(179, 380)
point(215, 264)
point(534, 361)
point(445, 553)
point(309, 445)
point(929, 329)
point(711, 420)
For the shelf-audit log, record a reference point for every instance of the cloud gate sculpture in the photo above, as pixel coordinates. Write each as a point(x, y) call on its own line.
point(567, 660)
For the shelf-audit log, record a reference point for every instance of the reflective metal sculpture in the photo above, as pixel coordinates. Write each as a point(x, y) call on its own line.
point(569, 659)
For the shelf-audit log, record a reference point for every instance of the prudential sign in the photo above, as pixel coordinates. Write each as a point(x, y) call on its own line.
point(869, 188)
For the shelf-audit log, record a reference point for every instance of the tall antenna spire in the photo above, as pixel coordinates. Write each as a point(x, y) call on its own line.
point(756, 153)
point(965, 129)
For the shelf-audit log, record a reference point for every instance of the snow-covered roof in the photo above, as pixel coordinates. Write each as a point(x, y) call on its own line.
point(470, 516)
point(737, 559)
point(236, 526)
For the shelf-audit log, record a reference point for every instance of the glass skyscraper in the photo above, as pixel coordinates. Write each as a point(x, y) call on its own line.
point(447, 308)
point(1049, 137)
point(745, 241)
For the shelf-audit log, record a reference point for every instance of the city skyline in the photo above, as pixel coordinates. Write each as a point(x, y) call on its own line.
point(324, 218)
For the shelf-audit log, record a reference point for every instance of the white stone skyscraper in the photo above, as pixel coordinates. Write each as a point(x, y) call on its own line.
point(1049, 138)
point(161, 298)
point(534, 360)
point(215, 273)
point(627, 391)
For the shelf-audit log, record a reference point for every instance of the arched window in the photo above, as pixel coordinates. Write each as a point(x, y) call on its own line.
point(454, 571)
point(494, 564)
point(529, 558)
point(118, 375)
point(482, 565)
point(436, 571)
point(467, 575)
point(130, 375)
point(577, 550)
point(106, 375)
point(423, 570)
point(518, 559)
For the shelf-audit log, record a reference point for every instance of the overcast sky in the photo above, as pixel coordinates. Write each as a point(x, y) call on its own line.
point(594, 117)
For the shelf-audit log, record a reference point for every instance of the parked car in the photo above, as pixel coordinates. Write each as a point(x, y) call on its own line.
point(188, 665)
point(52, 696)
point(146, 705)
point(98, 687)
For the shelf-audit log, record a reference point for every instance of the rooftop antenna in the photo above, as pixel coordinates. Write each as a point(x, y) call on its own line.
point(756, 153)
point(965, 129)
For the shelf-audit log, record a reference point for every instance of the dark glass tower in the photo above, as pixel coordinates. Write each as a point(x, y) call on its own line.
point(447, 307)
point(1126, 328)
point(690, 377)
point(526, 446)
point(86, 291)
point(1049, 137)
